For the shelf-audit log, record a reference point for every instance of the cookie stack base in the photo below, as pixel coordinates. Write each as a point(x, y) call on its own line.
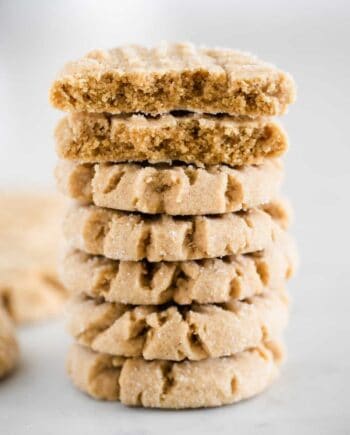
point(164, 384)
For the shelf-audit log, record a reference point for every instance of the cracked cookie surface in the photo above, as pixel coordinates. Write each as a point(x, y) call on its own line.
point(172, 76)
point(190, 138)
point(164, 384)
point(176, 333)
point(132, 237)
point(170, 189)
point(215, 280)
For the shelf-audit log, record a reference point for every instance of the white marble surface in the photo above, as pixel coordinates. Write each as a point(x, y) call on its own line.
point(310, 39)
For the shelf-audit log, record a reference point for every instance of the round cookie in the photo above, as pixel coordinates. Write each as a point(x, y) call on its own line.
point(199, 139)
point(176, 333)
point(29, 235)
point(206, 281)
point(9, 351)
point(165, 384)
point(170, 189)
point(133, 237)
point(172, 76)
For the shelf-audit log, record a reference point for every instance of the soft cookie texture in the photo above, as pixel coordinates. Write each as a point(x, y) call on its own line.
point(29, 236)
point(9, 351)
point(133, 237)
point(171, 189)
point(214, 280)
point(176, 333)
point(198, 139)
point(166, 384)
point(171, 77)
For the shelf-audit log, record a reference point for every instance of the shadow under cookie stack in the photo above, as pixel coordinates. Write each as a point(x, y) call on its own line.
point(178, 251)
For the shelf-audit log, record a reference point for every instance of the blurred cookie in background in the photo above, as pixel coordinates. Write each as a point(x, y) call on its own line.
point(29, 236)
point(9, 351)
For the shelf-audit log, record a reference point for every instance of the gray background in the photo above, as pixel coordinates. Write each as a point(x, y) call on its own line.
point(309, 39)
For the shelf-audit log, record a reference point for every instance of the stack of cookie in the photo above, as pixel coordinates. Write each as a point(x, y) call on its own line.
point(178, 251)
